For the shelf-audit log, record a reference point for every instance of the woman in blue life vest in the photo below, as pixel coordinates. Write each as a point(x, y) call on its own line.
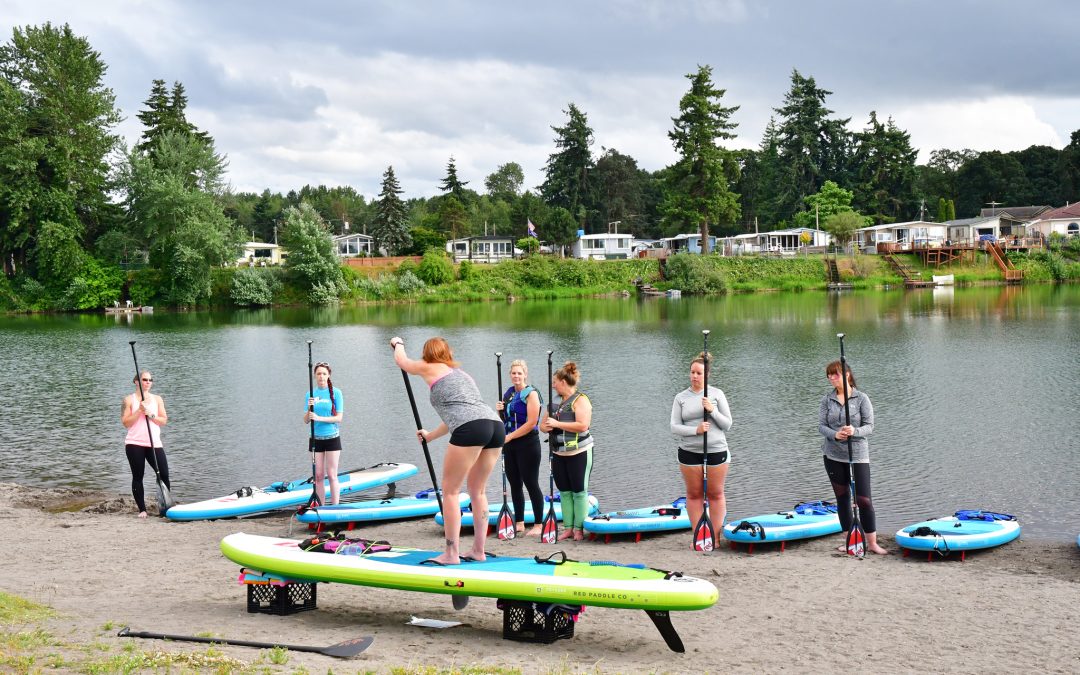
point(324, 407)
point(520, 410)
point(572, 458)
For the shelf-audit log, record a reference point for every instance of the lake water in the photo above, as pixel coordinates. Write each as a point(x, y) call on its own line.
point(975, 391)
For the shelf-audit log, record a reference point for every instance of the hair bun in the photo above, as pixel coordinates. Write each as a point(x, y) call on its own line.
point(570, 368)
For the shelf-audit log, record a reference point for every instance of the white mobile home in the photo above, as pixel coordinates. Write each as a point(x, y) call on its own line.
point(258, 253)
point(900, 236)
point(1064, 221)
point(486, 249)
point(602, 246)
point(354, 245)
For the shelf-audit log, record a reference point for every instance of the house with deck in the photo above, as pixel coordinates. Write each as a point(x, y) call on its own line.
point(1064, 220)
point(612, 246)
point(901, 236)
point(354, 245)
point(257, 253)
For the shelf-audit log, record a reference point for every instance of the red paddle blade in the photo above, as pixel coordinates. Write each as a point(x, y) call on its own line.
point(856, 544)
point(549, 531)
point(703, 535)
point(505, 525)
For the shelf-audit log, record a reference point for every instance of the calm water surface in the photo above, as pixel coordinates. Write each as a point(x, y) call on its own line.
point(975, 391)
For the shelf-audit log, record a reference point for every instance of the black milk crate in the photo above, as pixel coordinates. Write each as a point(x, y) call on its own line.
point(536, 621)
point(281, 600)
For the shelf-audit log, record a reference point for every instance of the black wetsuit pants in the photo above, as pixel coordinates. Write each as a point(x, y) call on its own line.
point(840, 477)
point(138, 457)
point(522, 459)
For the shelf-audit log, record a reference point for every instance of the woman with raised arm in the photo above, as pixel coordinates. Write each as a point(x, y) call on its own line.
point(476, 439)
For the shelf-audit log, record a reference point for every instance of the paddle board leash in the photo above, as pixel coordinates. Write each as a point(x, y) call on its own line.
point(423, 441)
point(316, 490)
point(549, 531)
point(504, 526)
point(856, 538)
point(165, 499)
point(703, 532)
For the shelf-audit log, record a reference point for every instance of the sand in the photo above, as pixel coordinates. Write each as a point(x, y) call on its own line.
point(808, 609)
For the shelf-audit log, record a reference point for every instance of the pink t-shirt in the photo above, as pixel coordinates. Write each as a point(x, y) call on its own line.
point(136, 433)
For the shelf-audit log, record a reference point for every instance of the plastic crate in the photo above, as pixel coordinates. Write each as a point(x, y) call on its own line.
point(536, 622)
point(281, 600)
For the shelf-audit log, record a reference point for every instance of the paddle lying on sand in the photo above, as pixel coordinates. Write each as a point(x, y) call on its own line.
point(703, 531)
point(549, 530)
point(342, 650)
point(316, 492)
point(504, 527)
point(165, 500)
point(856, 538)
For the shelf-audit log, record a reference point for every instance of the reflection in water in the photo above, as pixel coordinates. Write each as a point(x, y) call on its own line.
point(973, 387)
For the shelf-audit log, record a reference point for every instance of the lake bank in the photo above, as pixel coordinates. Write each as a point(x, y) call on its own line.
point(1010, 609)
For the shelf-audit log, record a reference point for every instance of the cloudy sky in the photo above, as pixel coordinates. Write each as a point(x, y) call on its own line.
point(332, 93)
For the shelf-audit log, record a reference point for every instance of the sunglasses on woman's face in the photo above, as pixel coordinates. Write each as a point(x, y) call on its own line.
point(147, 379)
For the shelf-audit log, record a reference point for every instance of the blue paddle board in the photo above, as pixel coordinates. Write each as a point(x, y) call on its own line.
point(494, 507)
point(962, 531)
point(806, 520)
point(280, 495)
point(648, 519)
point(393, 508)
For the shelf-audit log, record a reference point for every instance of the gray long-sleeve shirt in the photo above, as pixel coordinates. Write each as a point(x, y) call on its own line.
point(687, 413)
point(831, 418)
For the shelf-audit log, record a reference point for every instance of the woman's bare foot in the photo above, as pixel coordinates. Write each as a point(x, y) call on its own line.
point(534, 531)
point(519, 528)
point(874, 548)
point(579, 535)
point(142, 514)
point(445, 559)
point(565, 534)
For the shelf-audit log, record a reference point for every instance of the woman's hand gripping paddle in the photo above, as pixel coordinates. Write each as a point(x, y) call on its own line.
point(856, 538)
point(549, 530)
point(316, 490)
point(165, 500)
point(703, 531)
point(504, 526)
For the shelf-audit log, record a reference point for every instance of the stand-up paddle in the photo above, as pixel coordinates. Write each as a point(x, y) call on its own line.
point(549, 531)
point(856, 538)
point(165, 500)
point(703, 531)
point(316, 490)
point(504, 526)
point(423, 441)
point(342, 650)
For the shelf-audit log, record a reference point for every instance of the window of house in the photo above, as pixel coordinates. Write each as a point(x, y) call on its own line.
point(1073, 228)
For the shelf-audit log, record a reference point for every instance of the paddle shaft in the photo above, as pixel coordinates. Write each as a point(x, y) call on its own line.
point(316, 490)
point(423, 441)
point(341, 649)
point(856, 524)
point(163, 490)
point(501, 529)
point(704, 527)
point(549, 517)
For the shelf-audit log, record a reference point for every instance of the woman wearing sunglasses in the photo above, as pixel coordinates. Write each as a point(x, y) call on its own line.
point(140, 447)
point(324, 407)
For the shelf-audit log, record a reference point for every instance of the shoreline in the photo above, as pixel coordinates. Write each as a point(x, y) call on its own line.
point(86, 554)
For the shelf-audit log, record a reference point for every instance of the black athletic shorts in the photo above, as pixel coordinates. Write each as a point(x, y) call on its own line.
point(485, 433)
point(687, 458)
point(327, 444)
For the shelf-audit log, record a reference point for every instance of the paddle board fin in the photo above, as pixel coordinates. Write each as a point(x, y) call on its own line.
point(662, 621)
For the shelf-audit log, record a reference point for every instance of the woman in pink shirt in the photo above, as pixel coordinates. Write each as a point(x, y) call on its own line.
point(134, 412)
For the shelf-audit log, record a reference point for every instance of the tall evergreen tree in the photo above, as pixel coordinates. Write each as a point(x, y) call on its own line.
point(166, 112)
point(812, 147)
point(698, 186)
point(453, 185)
point(885, 174)
point(568, 172)
point(390, 225)
point(942, 210)
point(1070, 169)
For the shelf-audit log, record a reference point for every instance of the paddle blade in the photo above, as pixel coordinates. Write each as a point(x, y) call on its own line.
point(856, 542)
point(165, 500)
point(505, 525)
point(349, 648)
point(703, 534)
point(549, 531)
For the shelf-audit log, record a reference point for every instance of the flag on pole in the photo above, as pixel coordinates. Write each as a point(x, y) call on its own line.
point(532, 228)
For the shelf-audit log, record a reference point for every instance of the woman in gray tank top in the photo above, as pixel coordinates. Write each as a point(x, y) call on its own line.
point(476, 440)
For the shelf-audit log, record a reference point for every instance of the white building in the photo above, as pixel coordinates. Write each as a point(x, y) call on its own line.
point(908, 235)
point(354, 245)
point(602, 246)
point(485, 249)
point(258, 253)
point(789, 241)
point(1064, 221)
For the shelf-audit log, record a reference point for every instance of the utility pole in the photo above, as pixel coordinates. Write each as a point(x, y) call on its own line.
point(993, 207)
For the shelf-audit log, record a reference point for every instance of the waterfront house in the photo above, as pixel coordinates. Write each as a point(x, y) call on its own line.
point(789, 241)
point(999, 226)
point(612, 246)
point(900, 236)
point(354, 245)
point(258, 253)
point(1064, 220)
point(488, 248)
point(687, 243)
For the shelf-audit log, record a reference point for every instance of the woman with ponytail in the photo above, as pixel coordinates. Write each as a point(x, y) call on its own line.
point(324, 408)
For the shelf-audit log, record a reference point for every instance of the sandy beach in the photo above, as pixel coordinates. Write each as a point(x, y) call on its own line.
point(808, 609)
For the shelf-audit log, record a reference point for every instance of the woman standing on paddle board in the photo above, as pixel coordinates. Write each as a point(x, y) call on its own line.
point(689, 424)
point(138, 445)
point(476, 439)
point(521, 453)
point(325, 406)
point(572, 460)
point(834, 447)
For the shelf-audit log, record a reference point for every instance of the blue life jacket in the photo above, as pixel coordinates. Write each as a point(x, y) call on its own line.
point(983, 515)
point(516, 408)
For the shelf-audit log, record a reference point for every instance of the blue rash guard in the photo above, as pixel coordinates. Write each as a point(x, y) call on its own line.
point(323, 409)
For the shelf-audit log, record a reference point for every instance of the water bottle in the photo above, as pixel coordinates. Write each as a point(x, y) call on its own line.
point(350, 549)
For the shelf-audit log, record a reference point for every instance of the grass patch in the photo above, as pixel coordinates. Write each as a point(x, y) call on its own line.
point(14, 609)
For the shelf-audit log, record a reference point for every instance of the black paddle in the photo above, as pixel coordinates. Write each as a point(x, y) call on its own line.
point(504, 526)
point(703, 531)
point(343, 650)
point(316, 490)
point(165, 500)
point(549, 531)
point(856, 538)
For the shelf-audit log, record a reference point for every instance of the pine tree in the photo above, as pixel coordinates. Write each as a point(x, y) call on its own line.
point(166, 112)
point(568, 181)
point(390, 226)
point(452, 184)
point(698, 185)
point(885, 177)
point(942, 210)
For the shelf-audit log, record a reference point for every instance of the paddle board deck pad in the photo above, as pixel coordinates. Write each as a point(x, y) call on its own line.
point(671, 516)
point(392, 508)
point(280, 495)
point(962, 531)
point(804, 521)
point(495, 507)
point(551, 579)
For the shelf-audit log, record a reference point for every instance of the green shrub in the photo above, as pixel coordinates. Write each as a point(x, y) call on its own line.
point(251, 287)
point(465, 270)
point(145, 286)
point(324, 294)
point(435, 269)
point(694, 274)
point(408, 283)
point(407, 266)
